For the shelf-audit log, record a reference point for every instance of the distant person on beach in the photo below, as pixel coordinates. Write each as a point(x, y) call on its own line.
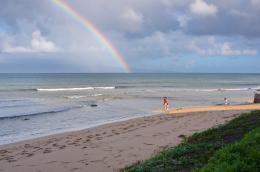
point(165, 104)
point(226, 101)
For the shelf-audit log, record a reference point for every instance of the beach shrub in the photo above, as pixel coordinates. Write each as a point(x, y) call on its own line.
point(240, 157)
point(228, 133)
point(183, 157)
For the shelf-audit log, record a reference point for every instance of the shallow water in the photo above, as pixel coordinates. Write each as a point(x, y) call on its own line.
point(33, 105)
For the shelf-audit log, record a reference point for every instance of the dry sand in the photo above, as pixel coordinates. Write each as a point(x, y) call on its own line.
point(217, 108)
point(112, 147)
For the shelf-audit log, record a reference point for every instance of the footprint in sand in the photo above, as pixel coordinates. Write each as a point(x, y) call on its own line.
point(51, 162)
point(75, 169)
point(90, 136)
point(3, 151)
point(55, 145)
point(116, 156)
point(47, 150)
point(27, 146)
point(18, 165)
point(182, 136)
point(83, 161)
point(30, 154)
point(99, 138)
point(10, 159)
point(148, 144)
point(62, 147)
point(86, 141)
point(65, 162)
point(76, 144)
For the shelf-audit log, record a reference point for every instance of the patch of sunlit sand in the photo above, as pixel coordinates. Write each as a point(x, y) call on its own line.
point(216, 108)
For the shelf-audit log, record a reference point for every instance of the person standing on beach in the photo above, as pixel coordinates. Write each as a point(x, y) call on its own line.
point(226, 101)
point(165, 104)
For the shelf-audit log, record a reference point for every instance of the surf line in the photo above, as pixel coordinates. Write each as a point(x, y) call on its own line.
point(66, 7)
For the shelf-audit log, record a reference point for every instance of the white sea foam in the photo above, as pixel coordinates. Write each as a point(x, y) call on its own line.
point(73, 89)
point(105, 88)
point(95, 95)
point(75, 97)
point(219, 89)
point(65, 89)
point(240, 89)
point(235, 89)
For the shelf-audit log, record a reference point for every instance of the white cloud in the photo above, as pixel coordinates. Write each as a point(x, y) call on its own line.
point(38, 44)
point(200, 7)
point(174, 3)
point(239, 13)
point(221, 49)
point(255, 2)
point(131, 20)
point(7, 48)
point(183, 20)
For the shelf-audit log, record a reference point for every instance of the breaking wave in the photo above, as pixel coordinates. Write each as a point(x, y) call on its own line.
point(73, 89)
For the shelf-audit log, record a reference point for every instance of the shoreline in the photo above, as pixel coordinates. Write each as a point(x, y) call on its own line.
point(91, 127)
point(191, 109)
point(112, 146)
point(79, 129)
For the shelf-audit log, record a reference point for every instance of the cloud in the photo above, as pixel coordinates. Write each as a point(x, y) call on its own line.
point(175, 4)
point(238, 13)
point(183, 20)
point(221, 49)
point(39, 44)
point(154, 31)
point(131, 20)
point(255, 2)
point(200, 7)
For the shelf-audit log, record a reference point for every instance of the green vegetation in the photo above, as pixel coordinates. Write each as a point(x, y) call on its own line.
point(196, 150)
point(242, 156)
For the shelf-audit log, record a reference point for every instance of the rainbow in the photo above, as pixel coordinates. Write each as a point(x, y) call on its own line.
point(92, 28)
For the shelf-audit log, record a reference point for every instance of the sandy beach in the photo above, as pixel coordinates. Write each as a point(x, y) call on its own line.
point(112, 147)
point(217, 108)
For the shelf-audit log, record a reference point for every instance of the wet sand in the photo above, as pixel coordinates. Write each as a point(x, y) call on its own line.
point(112, 147)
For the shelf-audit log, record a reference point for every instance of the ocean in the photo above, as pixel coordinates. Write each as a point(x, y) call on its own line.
point(35, 105)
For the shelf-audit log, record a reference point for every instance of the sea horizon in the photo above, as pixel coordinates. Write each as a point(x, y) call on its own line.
point(129, 73)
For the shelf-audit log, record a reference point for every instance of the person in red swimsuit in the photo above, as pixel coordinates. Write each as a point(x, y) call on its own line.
point(165, 104)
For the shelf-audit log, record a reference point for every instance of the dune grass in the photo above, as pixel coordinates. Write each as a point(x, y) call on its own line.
point(195, 151)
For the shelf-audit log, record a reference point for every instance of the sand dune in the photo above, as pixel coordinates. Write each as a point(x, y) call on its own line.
point(114, 146)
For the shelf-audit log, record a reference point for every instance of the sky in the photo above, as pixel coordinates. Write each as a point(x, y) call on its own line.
point(200, 36)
